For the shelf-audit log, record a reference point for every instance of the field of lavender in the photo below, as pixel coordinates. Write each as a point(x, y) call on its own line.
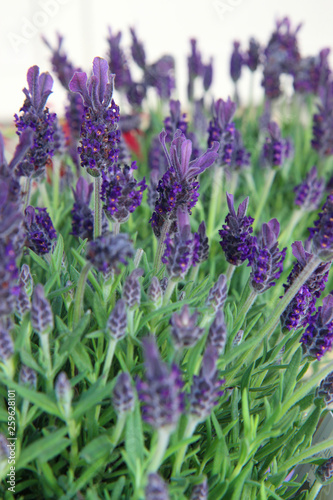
point(166, 299)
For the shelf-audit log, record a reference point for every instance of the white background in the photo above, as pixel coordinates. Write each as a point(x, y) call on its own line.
point(165, 27)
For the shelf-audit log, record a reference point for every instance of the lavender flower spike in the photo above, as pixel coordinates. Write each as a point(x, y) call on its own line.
point(82, 215)
point(99, 133)
point(132, 290)
point(325, 471)
point(41, 312)
point(308, 194)
point(236, 240)
point(39, 230)
point(161, 392)
point(178, 187)
point(123, 394)
point(267, 259)
point(276, 149)
point(236, 63)
point(107, 251)
point(325, 390)
point(117, 322)
point(206, 387)
point(156, 488)
point(318, 336)
point(200, 491)
point(322, 233)
point(217, 295)
point(217, 335)
point(222, 129)
point(180, 253)
point(184, 331)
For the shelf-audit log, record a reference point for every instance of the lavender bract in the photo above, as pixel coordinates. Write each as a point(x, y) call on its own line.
point(318, 336)
point(117, 321)
point(82, 215)
point(123, 394)
point(132, 290)
point(108, 251)
point(41, 312)
point(325, 390)
point(276, 149)
point(39, 230)
point(308, 194)
point(184, 330)
point(236, 63)
point(222, 129)
point(200, 491)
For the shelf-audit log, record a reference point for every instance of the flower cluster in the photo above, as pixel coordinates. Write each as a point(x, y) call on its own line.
point(275, 150)
point(39, 230)
point(82, 215)
point(318, 336)
point(108, 251)
point(222, 129)
point(308, 194)
point(322, 232)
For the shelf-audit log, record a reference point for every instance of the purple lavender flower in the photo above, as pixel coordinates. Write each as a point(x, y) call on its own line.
point(41, 312)
point(99, 133)
point(4, 448)
point(131, 293)
point(318, 336)
point(252, 56)
point(155, 292)
point(176, 120)
point(6, 343)
point(236, 63)
point(121, 193)
point(303, 304)
point(82, 215)
point(206, 387)
point(161, 393)
point(156, 489)
point(136, 93)
point(9, 289)
point(160, 75)
point(322, 141)
point(35, 117)
point(325, 390)
point(322, 232)
point(63, 389)
point(207, 75)
point(308, 194)
point(282, 48)
point(217, 295)
point(181, 252)
point(118, 63)
point(276, 149)
point(271, 80)
point(240, 157)
point(123, 394)
point(199, 119)
point(138, 51)
point(39, 230)
point(178, 187)
point(117, 321)
point(311, 73)
point(158, 165)
point(200, 491)
point(267, 260)
point(195, 67)
point(222, 129)
point(28, 376)
point(236, 240)
point(217, 335)
point(324, 472)
point(202, 246)
point(184, 330)
point(107, 251)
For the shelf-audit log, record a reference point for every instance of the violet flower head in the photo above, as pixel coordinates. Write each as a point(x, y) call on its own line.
point(322, 232)
point(202, 246)
point(63, 389)
point(99, 132)
point(217, 335)
point(131, 293)
point(184, 329)
point(325, 390)
point(276, 149)
point(82, 215)
point(9, 288)
point(217, 295)
point(135, 94)
point(155, 292)
point(252, 56)
point(161, 392)
point(181, 252)
point(118, 63)
point(6, 344)
point(282, 49)
point(206, 387)
point(240, 157)
point(311, 73)
point(207, 75)
point(200, 491)
point(158, 165)
point(41, 312)
point(178, 187)
point(195, 68)
point(28, 377)
point(318, 336)
point(40, 120)
point(160, 75)
point(176, 120)
point(117, 321)
point(324, 472)
point(120, 192)
point(309, 193)
point(107, 251)
point(40, 232)
point(237, 241)
point(267, 259)
point(236, 63)
point(322, 141)
point(156, 488)
point(303, 304)
point(123, 394)
point(222, 129)
point(61, 65)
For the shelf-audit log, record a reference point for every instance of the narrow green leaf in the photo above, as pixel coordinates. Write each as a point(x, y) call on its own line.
point(45, 448)
point(289, 378)
point(41, 262)
point(134, 436)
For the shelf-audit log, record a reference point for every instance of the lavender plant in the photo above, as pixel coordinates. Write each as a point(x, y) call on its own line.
point(152, 358)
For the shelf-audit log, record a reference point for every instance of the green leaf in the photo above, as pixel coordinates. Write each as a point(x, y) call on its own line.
point(289, 378)
point(92, 397)
point(118, 488)
point(45, 448)
point(74, 337)
point(134, 437)
point(57, 254)
point(96, 449)
point(41, 262)
point(99, 311)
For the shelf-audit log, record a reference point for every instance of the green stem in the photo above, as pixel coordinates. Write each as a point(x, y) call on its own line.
point(108, 359)
point(55, 186)
point(78, 301)
point(264, 195)
point(245, 307)
point(190, 428)
point(229, 272)
point(168, 291)
point(98, 208)
point(288, 231)
point(160, 248)
point(45, 345)
point(118, 429)
point(314, 491)
point(161, 446)
point(116, 228)
point(214, 199)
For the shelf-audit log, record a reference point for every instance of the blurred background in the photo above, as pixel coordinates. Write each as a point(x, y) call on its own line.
point(164, 27)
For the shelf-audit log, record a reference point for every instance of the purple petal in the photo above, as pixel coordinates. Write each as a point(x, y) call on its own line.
point(32, 79)
point(26, 141)
point(299, 252)
point(243, 208)
point(163, 135)
point(230, 202)
point(327, 310)
point(100, 70)
point(203, 162)
point(78, 84)
point(45, 82)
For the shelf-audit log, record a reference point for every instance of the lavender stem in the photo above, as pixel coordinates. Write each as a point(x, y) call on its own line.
point(98, 208)
point(160, 248)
